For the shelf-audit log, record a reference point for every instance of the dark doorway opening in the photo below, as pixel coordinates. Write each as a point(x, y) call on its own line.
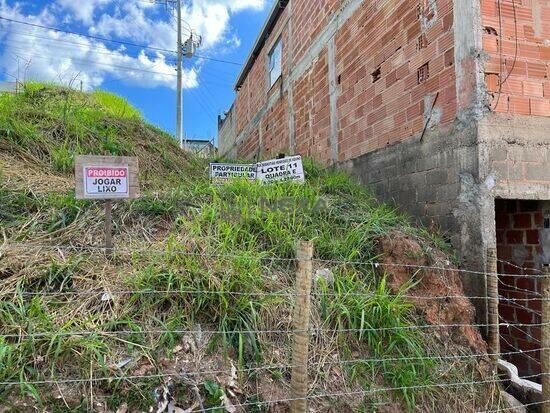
point(523, 235)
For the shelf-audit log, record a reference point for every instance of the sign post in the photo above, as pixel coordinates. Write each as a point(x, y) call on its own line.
point(108, 227)
point(106, 178)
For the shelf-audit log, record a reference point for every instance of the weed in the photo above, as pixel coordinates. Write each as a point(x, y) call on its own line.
point(230, 243)
point(214, 394)
point(381, 319)
point(116, 105)
point(62, 159)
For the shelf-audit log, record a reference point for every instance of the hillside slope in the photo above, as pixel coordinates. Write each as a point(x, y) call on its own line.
point(201, 284)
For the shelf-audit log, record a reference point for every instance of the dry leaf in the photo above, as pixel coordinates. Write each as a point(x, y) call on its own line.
point(227, 404)
point(123, 408)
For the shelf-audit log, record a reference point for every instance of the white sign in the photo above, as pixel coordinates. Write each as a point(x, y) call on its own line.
point(106, 181)
point(226, 171)
point(285, 169)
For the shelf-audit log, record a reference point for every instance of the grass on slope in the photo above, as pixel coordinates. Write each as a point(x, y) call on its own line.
point(52, 124)
point(231, 243)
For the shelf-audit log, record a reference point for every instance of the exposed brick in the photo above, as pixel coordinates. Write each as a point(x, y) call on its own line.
point(540, 107)
point(520, 105)
point(514, 237)
point(523, 221)
point(533, 88)
point(502, 220)
point(532, 237)
point(492, 81)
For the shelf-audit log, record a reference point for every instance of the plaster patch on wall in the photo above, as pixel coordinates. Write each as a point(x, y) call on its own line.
point(428, 14)
point(490, 182)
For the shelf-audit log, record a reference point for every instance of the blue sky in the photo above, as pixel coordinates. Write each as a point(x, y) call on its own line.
point(145, 76)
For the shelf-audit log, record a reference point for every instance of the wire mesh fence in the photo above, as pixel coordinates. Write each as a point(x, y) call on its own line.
point(521, 327)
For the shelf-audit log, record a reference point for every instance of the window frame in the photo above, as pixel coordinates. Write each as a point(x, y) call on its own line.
point(276, 48)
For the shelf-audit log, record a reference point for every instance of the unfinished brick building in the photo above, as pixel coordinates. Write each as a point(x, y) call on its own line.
point(441, 106)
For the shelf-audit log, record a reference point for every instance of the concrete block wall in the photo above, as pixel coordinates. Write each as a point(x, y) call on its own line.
point(227, 134)
point(421, 177)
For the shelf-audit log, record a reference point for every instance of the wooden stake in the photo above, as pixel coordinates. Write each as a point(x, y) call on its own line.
point(492, 305)
point(300, 323)
point(108, 227)
point(545, 340)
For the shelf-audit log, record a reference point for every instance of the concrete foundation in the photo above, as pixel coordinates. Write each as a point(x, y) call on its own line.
point(452, 176)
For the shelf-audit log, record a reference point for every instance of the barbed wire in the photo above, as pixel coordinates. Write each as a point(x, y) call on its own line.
point(522, 307)
point(370, 392)
point(149, 249)
point(286, 400)
point(511, 287)
point(519, 267)
point(109, 294)
point(269, 367)
point(534, 339)
point(290, 331)
point(516, 349)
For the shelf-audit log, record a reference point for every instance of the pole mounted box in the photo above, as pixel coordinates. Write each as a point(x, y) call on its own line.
point(106, 177)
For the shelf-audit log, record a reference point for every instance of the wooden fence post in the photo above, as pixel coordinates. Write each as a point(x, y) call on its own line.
point(545, 340)
point(492, 305)
point(300, 323)
point(108, 227)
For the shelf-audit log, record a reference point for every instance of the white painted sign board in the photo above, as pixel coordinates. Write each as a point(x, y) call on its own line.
point(105, 180)
point(106, 177)
point(285, 169)
point(220, 172)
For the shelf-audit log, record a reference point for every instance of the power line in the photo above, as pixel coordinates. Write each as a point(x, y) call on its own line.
point(126, 43)
point(83, 46)
point(213, 59)
point(104, 39)
point(203, 105)
point(128, 68)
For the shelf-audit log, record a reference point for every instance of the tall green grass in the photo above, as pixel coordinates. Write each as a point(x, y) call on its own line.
point(116, 105)
point(219, 240)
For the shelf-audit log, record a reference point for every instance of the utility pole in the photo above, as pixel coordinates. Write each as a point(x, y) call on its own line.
point(188, 49)
point(179, 104)
point(190, 46)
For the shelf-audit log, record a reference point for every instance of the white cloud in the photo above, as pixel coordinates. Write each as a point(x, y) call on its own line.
point(62, 57)
point(208, 18)
point(130, 22)
point(238, 5)
point(82, 10)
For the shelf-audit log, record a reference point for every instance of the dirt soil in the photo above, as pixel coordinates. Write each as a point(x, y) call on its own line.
point(443, 281)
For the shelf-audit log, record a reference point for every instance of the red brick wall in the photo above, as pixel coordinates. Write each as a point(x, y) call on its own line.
point(312, 113)
point(252, 95)
point(518, 224)
point(309, 18)
point(249, 148)
point(389, 37)
point(275, 127)
point(522, 67)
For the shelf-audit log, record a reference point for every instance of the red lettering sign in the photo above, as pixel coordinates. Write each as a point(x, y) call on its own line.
point(95, 172)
